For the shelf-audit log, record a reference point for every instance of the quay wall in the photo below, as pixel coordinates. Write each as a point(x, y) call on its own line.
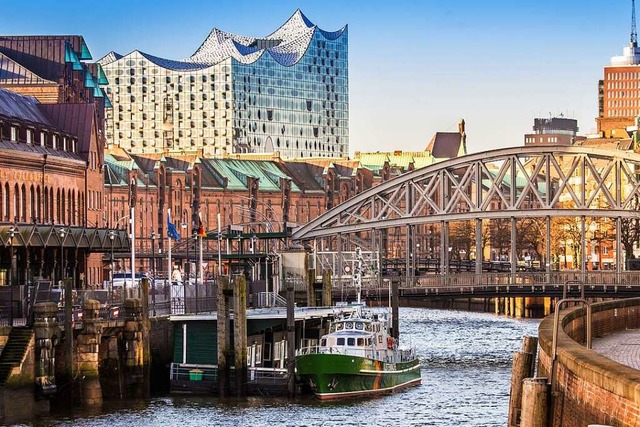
point(588, 388)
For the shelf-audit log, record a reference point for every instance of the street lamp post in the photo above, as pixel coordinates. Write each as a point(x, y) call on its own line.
point(12, 232)
point(61, 233)
point(154, 236)
point(112, 236)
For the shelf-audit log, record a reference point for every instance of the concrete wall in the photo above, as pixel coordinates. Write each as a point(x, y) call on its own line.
point(589, 388)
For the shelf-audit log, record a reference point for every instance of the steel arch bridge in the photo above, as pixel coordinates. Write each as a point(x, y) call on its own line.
point(586, 184)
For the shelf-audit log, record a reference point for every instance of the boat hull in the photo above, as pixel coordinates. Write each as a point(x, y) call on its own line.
point(335, 376)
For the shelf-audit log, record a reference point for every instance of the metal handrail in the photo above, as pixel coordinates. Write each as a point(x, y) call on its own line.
point(556, 321)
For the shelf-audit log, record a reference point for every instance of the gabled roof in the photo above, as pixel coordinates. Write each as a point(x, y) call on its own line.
point(76, 119)
point(398, 159)
point(45, 56)
point(12, 73)
point(623, 144)
point(20, 107)
point(445, 145)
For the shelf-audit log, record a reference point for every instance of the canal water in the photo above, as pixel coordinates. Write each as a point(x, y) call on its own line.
point(466, 369)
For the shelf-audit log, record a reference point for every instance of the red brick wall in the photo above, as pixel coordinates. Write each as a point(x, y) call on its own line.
point(589, 388)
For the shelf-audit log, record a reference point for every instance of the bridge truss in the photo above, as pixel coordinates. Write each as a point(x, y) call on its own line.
point(409, 217)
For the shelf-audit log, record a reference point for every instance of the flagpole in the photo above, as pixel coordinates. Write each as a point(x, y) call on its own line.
point(219, 244)
point(133, 251)
point(200, 256)
point(169, 266)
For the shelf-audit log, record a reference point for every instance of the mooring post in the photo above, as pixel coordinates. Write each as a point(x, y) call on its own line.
point(327, 288)
point(311, 288)
point(291, 338)
point(395, 312)
point(240, 333)
point(224, 293)
point(535, 398)
point(519, 371)
point(530, 345)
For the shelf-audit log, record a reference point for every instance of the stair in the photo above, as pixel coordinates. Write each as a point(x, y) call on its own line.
point(14, 351)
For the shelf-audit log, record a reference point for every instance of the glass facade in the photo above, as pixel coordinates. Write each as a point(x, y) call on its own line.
point(287, 93)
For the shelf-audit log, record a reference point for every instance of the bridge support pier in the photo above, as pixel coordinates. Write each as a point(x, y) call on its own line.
point(87, 354)
point(47, 335)
point(134, 352)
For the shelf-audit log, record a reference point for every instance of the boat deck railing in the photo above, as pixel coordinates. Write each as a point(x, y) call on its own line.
point(387, 355)
point(197, 372)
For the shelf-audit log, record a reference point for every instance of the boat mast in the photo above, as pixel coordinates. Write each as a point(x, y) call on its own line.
point(358, 273)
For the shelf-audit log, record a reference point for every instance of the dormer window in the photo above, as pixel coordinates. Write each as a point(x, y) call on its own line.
point(43, 139)
point(29, 136)
point(54, 142)
point(64, 143)
point(14, 133)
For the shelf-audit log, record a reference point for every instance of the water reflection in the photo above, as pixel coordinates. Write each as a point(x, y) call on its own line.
point(466, 363)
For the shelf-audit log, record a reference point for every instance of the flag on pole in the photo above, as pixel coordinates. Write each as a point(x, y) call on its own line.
point(201, 232)
point(172, 233)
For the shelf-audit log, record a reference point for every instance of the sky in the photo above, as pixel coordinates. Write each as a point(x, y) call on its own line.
point(415, 67)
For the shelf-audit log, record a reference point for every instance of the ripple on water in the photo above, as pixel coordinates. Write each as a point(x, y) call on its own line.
point(466, 363)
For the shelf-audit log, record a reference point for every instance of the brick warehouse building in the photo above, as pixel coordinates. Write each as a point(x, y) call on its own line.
point(66, 203)
point(256, 194)
point(51, 162)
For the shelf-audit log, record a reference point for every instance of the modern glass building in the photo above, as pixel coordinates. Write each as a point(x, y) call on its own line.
point(286, 92)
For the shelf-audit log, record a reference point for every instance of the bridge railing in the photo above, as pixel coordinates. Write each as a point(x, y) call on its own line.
point(527, 278)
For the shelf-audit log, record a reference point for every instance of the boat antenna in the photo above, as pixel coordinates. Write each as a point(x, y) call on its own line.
point(358, 273)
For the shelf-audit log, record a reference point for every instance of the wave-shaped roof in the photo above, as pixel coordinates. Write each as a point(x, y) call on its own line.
point(286, 45)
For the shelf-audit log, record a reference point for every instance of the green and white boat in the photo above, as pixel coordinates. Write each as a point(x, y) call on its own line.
point(357, 357)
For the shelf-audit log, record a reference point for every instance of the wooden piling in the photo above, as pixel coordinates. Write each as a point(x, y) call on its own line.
point(326, 288)
point(535, 398)
point(240, 333)
point(519, 371)
point(225, 293)
point(530, 345)
point(291, 338)
point(311, 288)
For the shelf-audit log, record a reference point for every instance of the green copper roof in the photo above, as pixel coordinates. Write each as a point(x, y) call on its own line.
point(375, 161)
point(88, 79)
point(102, 77)
point(85, 55)
point(70, 56)
point(237, 173)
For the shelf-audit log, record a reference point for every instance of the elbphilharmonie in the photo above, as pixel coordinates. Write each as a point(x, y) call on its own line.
point(286, 92)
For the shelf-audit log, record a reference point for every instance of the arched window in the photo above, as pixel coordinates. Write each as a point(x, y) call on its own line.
point(61, 204)
point(71, 204)
point(23, 203)
point(32, 204)
point(16, 203)
point(51, 205)
point(7, 202)
point(38, 198)
point(45, 206)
